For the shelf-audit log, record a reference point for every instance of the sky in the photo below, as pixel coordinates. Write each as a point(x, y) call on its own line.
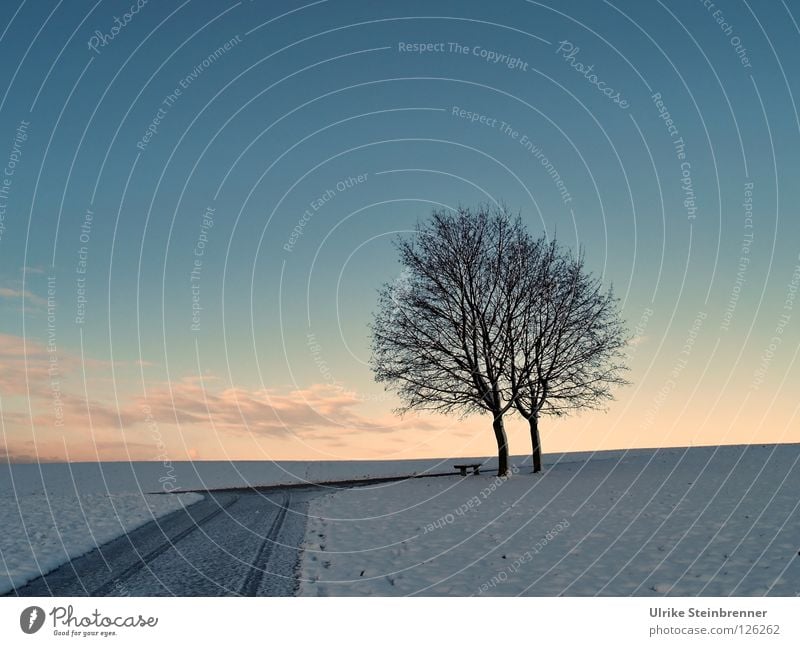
point(199, 200)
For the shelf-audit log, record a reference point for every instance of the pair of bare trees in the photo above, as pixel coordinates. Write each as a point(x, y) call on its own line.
point(486, 317)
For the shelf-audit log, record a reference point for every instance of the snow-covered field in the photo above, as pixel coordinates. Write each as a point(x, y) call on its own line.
point(51, 513)
point(55, 512)
point(702, 521)
point(708, 521)
point(158, 477)
point(40, 532)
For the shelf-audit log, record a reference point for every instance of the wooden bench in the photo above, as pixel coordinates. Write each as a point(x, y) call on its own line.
point(476, 468)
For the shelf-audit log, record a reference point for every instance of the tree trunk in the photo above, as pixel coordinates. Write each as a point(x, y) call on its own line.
point(502, 445)
point(536, 444)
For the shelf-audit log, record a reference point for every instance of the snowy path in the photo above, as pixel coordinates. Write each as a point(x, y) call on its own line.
point(55, 512)
point(230, 543)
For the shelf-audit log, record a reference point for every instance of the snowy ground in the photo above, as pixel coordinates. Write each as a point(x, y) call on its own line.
point(703, 521)
point(41, 532)
point(157, 477)
point(51, 513)
point(710, 521)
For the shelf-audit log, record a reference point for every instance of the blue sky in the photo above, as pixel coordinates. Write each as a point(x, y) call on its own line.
point(279, 102)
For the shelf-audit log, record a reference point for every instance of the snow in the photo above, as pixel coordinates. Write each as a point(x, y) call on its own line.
point(711, 521)
point(182, 476)
point(52, 516)
point(50, 513)
point(40, 533)
point(700, 521)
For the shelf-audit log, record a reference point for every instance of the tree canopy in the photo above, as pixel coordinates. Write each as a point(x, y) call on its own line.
point(485, 317)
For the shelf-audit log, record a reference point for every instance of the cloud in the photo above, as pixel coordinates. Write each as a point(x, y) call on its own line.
point(27, 452)
point(52, 385)
point(7, 292)
point(26, 455)
point(270, 412)
point(25, 365)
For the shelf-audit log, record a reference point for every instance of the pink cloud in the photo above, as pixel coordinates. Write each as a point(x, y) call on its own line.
point(318, 412)
point(270, 412)
point(26, 366)
point(7, 292)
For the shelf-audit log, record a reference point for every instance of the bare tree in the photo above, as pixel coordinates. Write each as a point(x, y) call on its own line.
point(486, 318)
point(440, 336)
point(568, 345)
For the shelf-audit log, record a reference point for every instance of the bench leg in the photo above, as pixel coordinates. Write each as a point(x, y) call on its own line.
point(463, 471)
point(476, 470)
